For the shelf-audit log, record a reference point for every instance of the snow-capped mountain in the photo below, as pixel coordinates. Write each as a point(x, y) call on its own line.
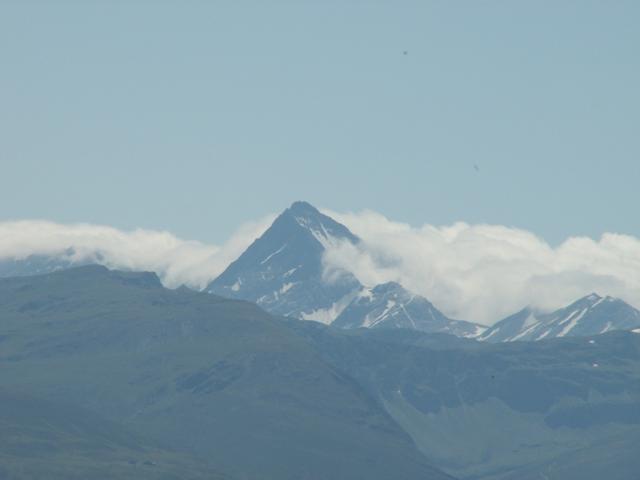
point(282, 271)
point(390, 305)
point(591, 315)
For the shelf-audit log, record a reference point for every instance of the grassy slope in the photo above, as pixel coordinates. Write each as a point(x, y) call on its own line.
point(218, 378)
point(46, 440)
point(613, 458)
point(493, 411)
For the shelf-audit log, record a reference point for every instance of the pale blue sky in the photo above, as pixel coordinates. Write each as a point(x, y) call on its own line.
point(196, 116)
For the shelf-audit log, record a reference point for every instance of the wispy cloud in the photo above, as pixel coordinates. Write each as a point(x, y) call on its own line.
point(176, 261)
point(485, 272)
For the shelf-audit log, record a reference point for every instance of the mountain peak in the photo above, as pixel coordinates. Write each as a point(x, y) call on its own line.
point(389, 286)
point(301, 207)
point(589, 315)
point(305, 217)
point(390, 305)
point(282, 271)
point(592, 298)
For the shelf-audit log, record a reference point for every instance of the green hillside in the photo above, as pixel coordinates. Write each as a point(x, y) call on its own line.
point(47, 440)
point(505, 411)
point(220, 379)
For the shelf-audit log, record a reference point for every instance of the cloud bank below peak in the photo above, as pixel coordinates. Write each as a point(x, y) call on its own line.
point(485, 272)
point(176, 261)
point(472, 272)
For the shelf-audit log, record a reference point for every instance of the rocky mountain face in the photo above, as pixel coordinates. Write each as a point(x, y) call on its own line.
point(389, 305)
point(283, 272)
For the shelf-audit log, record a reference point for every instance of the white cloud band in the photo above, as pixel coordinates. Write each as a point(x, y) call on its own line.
point(175, 260)
point(472, 272)
point(485, 272)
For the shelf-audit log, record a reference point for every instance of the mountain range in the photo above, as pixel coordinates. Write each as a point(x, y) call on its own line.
point(216, 379)
point(505, 411)
point(108, 374)
point(284, 272)
point(591, 315)
point(280, 369)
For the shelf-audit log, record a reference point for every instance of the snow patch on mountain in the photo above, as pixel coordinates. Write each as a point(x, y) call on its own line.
point(286, 287)
point(329, 314)
point(573, 320)
point(369, 322)
point(286, 273)
point(591, 315)
point(270, 256)
point(474, 332)
point(390, 305)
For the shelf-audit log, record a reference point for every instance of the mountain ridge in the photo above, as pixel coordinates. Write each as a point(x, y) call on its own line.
point(589, 315)
point(218, 378)
point(283, 272)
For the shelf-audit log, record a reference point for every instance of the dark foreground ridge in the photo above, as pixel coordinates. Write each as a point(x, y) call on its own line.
point(220, 380)
point(113, 369)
